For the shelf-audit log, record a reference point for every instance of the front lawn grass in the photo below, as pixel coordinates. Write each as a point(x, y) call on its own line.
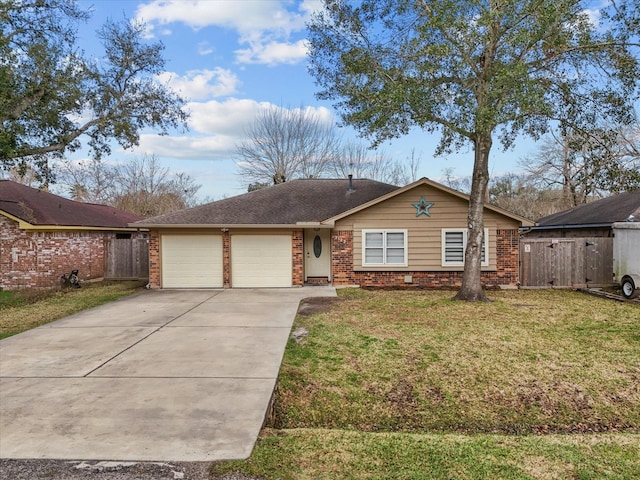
point(409, 384)
point(26, 309)
point(353, 455)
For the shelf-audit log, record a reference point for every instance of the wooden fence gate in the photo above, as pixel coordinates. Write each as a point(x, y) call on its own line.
point(566, 262)
point(126, 258)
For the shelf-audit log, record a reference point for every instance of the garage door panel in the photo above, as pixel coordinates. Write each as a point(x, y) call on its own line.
point(191, 261)
point(261, 260)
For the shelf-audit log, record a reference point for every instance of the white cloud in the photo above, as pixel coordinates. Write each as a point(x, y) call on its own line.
point(311, 6)
point(204, 48)
point(266, 26)
point(233, 116)
point(593, 16)
point(243, 16)
point(213, 147)
point(202, 84)
point(273, 53)
point(217, 127)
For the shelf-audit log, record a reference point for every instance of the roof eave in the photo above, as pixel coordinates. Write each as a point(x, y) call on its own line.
point(315, 224)
point(173, 226)
point(27, 226)
point(572, 226)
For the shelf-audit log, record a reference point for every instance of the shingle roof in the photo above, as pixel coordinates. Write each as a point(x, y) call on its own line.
point(305, 200)
point(616, 208)
point(43, 208)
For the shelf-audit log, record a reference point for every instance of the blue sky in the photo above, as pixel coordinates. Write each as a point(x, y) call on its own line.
point(231, 58)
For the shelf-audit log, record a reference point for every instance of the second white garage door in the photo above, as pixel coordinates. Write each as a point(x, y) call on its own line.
point(191, 261)
point(261, 261)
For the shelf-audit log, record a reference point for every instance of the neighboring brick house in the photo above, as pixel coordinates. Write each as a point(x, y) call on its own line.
point(337, 231)
point(43, 236)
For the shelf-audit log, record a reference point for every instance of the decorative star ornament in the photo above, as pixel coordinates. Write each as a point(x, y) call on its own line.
point(423, 207)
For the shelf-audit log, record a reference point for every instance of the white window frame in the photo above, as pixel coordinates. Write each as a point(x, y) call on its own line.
point(465, 233)
point(384, 233)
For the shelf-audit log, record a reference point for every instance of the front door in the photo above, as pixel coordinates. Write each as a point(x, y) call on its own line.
point(317, 254)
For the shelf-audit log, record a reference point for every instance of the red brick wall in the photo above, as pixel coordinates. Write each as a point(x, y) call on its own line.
point(342, 257)
point(344, 274)
point(297, 278)
point(154, 259)
point(508, 257)
point(38, 259)
point(226, 259)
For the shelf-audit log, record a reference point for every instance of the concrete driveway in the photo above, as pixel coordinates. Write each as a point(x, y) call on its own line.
point(171, 375)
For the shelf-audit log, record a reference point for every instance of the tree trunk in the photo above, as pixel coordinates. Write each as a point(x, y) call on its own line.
point(471, 289)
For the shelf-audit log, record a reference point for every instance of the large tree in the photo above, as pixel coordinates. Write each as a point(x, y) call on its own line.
point(138, 185)
point(587, 165)
point(474, 70)
point(51, 94)
point(283, 143)
point(355, 158)
point(522, 194)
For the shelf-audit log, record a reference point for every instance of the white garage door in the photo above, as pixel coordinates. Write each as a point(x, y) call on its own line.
point(191, 261)
point(261, 260)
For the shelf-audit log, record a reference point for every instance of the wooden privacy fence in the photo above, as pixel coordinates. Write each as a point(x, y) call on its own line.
point(126, 258)
point(566, 262)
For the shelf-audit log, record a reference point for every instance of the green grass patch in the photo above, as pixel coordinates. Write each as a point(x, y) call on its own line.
point(26, 309)
point(410, 384)
point(338, 454)
point(529, 362)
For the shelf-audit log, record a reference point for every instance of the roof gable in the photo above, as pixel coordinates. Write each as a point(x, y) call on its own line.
point(425, 181)
point(616, 208)
point(39, 208)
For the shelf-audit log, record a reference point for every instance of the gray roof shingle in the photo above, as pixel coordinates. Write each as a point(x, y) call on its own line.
point(616, 208)
point(38, 207)
point(304, 200)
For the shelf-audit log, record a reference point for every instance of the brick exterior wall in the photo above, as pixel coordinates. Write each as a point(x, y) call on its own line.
point(342, 257)
point(297, 278)
point(154, 259)
point(226, 259)
point(508, 257)
point(38, 259)
point(344, 274)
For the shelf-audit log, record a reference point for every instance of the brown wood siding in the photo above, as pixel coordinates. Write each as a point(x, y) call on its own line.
point(424, 233)
point(126, 258)
point(566, 262)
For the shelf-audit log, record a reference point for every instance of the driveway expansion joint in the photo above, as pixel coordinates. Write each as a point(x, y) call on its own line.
point(145, 337)
point(189, 395)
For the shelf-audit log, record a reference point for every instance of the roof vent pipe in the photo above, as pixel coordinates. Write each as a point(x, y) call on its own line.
point(351, 189)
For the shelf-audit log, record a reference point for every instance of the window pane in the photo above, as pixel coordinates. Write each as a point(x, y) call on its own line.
point(373, 255)
point(453, 255)
point(484, 251)
point(373, 239)
point(454, 247)
point(395, 240)
point(454, 238)
point(395, 255)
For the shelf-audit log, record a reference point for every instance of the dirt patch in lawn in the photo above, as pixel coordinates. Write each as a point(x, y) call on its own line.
point(312, 305)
